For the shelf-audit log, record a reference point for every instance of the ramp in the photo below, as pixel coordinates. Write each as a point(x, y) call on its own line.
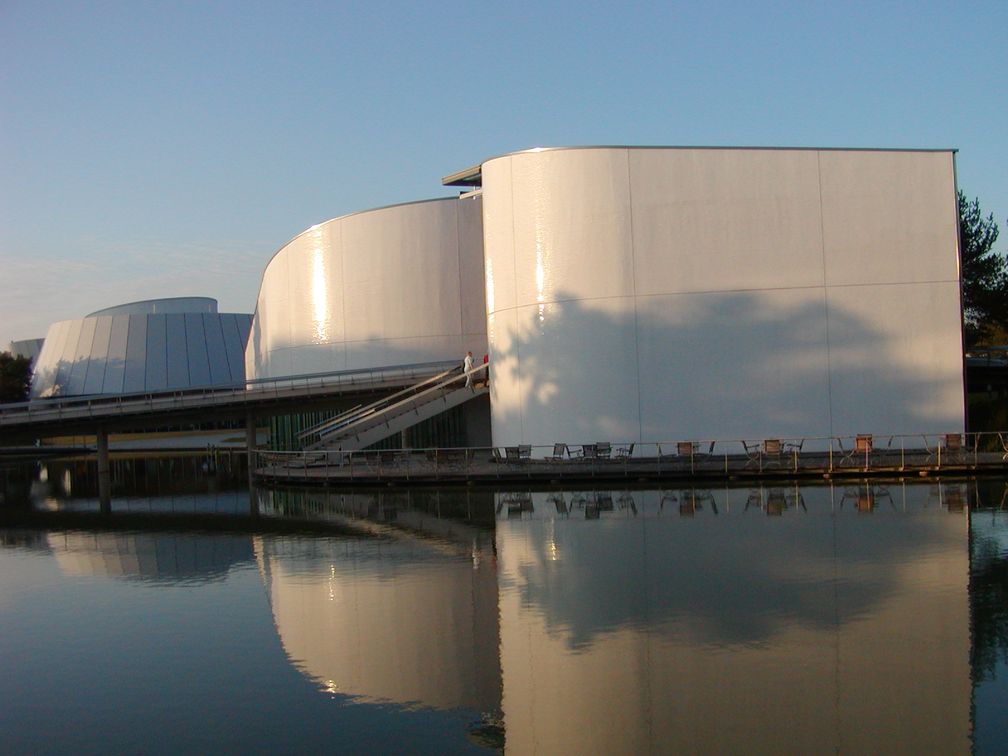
point(367, 424)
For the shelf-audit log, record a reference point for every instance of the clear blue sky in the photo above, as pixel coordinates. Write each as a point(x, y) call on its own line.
point(169, 148)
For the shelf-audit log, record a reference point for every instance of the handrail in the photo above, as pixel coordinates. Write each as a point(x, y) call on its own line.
point(361, 410)
point(85, 407)
point(904, 454)
point(408, 398)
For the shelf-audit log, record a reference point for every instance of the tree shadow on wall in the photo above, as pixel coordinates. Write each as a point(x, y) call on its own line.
point(723, 365)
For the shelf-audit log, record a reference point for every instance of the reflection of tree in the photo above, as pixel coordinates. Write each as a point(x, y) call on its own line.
point(988, 606)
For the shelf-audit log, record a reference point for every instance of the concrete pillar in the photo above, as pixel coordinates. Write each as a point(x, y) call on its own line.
point(104, 473)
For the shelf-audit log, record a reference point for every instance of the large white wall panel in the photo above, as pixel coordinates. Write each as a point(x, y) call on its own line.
point(718, 220)
point(721, 294)
point(895, 361)
point(695, 371)
point(557, 255)
point(391, 286)
point(889, 217)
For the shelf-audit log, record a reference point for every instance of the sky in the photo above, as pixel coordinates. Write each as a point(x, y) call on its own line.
point(155, 149)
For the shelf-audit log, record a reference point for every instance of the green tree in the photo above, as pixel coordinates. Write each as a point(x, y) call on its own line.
point(984, 275)
point(15, 377)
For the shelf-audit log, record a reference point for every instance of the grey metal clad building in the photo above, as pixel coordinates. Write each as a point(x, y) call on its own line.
point(154, 345)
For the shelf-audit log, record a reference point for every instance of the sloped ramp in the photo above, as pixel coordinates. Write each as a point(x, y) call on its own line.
point(366, 425)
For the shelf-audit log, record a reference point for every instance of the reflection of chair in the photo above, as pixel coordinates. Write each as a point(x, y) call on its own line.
point(866, 497)
point(558, 501)
point(692, 500)
point(604, 502)
point(670, 498)
point(517, 503)
point(626, 501)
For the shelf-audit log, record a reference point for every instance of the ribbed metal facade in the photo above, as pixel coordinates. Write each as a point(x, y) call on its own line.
point(137, 353)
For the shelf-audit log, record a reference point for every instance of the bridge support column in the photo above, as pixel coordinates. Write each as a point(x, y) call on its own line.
point(104, 473)
point(250, 445)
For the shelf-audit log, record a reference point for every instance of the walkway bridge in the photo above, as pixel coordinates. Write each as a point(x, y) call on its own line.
point(89, 415)
point(367, 424)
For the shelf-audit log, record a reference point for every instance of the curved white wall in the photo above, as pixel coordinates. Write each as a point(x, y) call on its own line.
point(660, 294)
point(391, 286)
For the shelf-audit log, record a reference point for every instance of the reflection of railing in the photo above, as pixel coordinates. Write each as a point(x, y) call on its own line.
point(724, 458)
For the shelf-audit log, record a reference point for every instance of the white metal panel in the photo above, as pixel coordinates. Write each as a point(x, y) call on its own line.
point(498, 235)
point(579, 372)
point(78, 371)
point(571, 225)
point(177, 355)
point(157, 353)
point(896, 359)
point(115, 368)
point(236, 331)
point(68, 358)
point(315, 281)
point(44, 374)
point(196, 349)
point(316, 358)
point(134, 379)
point(274, 306)
point(220, 370)
point(98, 360)
point(472, 297)
point(401, 272)
point(505, 377)
point(889, 217)
point(733, 365)
point(720, 220)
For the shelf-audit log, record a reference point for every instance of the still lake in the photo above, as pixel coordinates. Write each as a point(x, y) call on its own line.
point(196, 616)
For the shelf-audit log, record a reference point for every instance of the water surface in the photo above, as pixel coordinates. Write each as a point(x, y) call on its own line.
point(851, 618)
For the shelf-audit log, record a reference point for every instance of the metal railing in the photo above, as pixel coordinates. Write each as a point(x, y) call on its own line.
point(734, 457)
point(75, 408)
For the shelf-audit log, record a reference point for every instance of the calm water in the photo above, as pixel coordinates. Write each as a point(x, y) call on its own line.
point(871, 617)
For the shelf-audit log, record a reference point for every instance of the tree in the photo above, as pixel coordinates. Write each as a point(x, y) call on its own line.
point(984, 275)
point(15, 377)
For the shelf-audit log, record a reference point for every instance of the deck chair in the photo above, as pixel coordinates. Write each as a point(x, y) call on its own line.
point(624, 452)
point(603, 449)
point(559, 453)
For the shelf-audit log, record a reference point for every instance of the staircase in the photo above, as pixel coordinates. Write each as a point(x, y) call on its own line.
point(367, 424)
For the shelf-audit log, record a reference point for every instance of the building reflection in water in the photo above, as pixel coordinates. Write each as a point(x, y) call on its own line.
point(409, 618)
point(151, 556)
point(776, 619)
point(771, 618)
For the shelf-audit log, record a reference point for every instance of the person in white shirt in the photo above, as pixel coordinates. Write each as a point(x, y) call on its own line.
point(467, 366)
